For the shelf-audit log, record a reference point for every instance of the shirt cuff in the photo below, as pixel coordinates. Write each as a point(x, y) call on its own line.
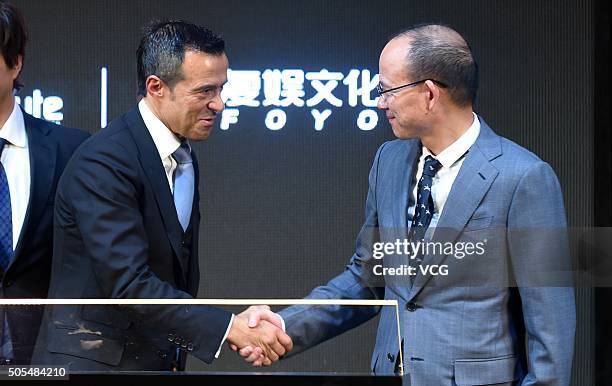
point(282, 322)
point(229, 326)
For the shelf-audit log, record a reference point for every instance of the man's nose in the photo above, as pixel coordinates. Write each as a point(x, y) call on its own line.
point(216, 104)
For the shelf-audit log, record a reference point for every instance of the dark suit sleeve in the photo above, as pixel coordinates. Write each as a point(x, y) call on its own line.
point(311, 325)
point(72, 138)
point(538, 246)
point(103, 193)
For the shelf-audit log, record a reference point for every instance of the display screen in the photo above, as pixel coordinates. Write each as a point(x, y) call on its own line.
point(284, 175)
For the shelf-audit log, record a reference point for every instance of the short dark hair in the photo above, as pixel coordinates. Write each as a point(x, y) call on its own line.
point(438, 52)
point(13, 36)
point(162, 50)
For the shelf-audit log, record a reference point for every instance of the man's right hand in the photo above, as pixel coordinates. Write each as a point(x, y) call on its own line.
point(272, 341)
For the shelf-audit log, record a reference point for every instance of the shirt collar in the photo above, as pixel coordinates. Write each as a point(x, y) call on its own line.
point(165, 140)
point(457, 149)
point(13, 130)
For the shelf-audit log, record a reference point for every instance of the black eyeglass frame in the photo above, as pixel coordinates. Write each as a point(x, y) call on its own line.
point(382, 92)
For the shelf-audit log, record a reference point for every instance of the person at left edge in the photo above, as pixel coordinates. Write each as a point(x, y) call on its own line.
point(33, 154)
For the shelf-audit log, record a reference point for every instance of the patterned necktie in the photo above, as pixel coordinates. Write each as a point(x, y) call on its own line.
point(6, 220)
point(184, 181)
point(424, 209)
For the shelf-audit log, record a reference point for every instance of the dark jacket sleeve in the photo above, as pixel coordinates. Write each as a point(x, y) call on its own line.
point(102, 194)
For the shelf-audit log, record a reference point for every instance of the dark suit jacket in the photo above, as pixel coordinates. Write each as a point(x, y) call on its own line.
point(117, 235)
point(27, 276)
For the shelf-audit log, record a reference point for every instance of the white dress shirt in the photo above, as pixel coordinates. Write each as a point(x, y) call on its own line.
point(165, 140)
point(451, 159)
point(167, 143)
point(16, 162)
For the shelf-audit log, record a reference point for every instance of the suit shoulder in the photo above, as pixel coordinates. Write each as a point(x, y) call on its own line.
point(517, 161)
point(69, 137)
point(117, 130)
point(102, 158)
point(65, 138)
point(518, 152)
point(57, 131)
point(113, 139)
point(394, 146)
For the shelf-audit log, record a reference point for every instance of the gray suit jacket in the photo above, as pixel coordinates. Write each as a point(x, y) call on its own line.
point(504, 317)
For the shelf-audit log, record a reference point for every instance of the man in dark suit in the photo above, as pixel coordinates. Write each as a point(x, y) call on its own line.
point(34, 153)
point(127, 219)
point(501, 315)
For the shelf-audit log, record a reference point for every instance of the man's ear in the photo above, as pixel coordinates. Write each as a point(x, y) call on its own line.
point(16, 69)
point(155, 86)
point(433, 93)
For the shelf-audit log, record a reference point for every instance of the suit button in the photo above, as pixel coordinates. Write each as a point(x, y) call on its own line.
point(390, 357)
point(412, 306)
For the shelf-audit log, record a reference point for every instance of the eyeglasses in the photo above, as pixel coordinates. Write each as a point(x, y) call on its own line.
point(384, 94)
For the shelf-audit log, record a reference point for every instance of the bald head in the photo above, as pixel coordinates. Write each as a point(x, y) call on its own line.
point(441, 33)
point(434, 51)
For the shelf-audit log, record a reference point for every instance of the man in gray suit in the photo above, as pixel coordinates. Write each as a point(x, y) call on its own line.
point(497, 317)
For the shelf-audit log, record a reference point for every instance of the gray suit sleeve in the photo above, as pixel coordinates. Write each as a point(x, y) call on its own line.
point(311, 325)
point(538, 246)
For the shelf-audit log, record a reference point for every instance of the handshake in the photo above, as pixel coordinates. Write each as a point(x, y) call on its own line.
point(257, 335)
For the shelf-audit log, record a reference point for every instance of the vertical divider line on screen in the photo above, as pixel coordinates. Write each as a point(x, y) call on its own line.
point(103, 97)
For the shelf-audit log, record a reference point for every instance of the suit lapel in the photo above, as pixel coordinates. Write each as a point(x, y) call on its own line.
point(401, 168)
point(43, 158)
point(406, 162)
point(469, 188)
point(193, 276)
point(154, 169)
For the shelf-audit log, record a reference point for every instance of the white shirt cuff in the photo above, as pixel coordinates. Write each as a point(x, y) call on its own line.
point(229, 326)
point(282, 322)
